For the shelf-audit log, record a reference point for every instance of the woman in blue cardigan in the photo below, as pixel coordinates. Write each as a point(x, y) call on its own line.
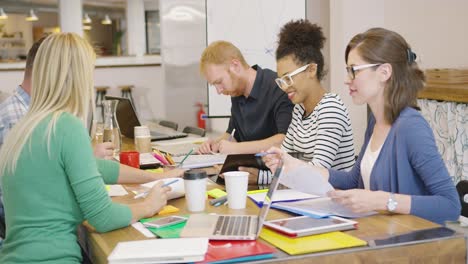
point(399, 168)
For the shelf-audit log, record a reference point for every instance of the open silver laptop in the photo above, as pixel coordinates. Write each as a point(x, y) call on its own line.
point(128, 120)
point(231, 227)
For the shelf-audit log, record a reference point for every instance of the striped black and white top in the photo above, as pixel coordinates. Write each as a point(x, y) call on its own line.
point(325, 136)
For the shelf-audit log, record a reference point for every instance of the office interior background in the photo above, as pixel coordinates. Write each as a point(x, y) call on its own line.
point(155, 45)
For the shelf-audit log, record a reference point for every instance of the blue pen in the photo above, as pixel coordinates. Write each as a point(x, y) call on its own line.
point(263, 154)
point(143, 194)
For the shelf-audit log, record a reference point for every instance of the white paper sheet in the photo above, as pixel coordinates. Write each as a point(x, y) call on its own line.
point(307, 180)
point(116, 190)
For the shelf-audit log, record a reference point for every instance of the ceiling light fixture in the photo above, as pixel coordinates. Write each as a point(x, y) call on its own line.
point(3, 15)
point(87, 19)
point(32, 16)
point(87, 27)
point(106, 20)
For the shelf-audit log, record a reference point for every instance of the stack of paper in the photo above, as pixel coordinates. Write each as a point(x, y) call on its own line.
point(175, 250)
point(200, 161)
point(320, 207)
point(177, 188)
point(286, 195)
point(309, 244)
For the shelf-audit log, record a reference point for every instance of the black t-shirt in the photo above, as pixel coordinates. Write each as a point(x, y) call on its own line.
point(267, 111)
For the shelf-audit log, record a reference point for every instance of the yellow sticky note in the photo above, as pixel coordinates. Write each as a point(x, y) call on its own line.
point(257, 191)
point(107, 187)
point(216, 193)
point(168, 209)
point(158, 170)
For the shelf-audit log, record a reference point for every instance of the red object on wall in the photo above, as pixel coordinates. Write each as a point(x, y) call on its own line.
point(201, 116)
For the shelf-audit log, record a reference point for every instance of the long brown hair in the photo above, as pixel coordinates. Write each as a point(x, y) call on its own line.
point(379, 45)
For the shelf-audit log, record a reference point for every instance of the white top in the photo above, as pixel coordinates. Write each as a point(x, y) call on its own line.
point(325, 136)
point(368, 162)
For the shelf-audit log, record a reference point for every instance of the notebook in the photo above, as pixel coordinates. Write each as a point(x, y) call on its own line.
point(200, 161)
point(176, 250)
point(231, 227)
point(128, 119)
point(309, 244)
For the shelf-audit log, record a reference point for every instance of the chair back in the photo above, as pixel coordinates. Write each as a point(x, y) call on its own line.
point(169, 124)
point(462, 189)
point(194, 130)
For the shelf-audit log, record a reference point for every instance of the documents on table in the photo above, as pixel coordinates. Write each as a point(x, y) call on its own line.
point(286, 195)
point(305, 179)
point(116, 190)
point(177, 188)
point(175, 250)
point(200, 161)
point(319, 207)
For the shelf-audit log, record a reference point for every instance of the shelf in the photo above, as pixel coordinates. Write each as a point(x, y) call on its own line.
point(450, 93)
point(12, 39)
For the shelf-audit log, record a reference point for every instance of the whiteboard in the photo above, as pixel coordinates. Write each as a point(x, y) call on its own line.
point(253, 27)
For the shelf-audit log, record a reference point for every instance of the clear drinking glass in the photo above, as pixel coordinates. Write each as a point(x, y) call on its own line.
point(111, 126)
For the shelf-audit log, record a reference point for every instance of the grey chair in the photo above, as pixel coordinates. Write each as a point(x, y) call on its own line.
point(169, 124)
point(194, 130)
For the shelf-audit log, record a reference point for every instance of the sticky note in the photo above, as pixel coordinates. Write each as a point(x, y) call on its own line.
point(257, 191)
point(216, 193)
point(168, 209)
point(158, 170)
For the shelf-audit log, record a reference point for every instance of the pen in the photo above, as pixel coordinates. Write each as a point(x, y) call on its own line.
point(186, 156)
point(263, 154)
point(232, 134)
point(143, 194)
point(219, 201)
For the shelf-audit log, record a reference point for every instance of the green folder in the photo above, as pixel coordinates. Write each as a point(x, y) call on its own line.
point(172, 231)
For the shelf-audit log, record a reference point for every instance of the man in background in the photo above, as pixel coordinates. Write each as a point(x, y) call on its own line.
point(260, 112)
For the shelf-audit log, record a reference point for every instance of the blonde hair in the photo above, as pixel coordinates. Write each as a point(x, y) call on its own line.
point(62, 81)
point(221, 52)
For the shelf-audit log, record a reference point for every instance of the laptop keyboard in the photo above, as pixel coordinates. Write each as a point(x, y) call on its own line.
point(233, 225)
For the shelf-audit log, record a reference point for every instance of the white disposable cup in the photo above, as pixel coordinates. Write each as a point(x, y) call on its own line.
point(142, 139)
point(195, 190)
point(236, 187)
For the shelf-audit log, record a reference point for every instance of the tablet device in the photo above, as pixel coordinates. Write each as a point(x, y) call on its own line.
point(234, 161)
point(305, 226)
point(416, 236)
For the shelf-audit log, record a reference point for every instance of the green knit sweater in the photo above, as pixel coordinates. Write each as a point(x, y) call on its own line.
point(51, 193)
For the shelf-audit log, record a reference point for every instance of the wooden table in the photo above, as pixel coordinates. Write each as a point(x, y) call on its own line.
point(442, 250)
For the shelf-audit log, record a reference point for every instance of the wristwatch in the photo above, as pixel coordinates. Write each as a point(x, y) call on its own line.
point(391, 203)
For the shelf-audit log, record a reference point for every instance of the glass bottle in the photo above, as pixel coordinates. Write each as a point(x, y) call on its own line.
point(111, 127)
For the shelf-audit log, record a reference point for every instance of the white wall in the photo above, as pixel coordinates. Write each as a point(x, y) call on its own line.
point(147, 80)
point(318, 11)
point(436, 30)
point(148, 87)
point(10, 80)
point(347, 18)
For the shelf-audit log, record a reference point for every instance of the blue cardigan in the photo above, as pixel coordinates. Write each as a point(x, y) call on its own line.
point(409, 163)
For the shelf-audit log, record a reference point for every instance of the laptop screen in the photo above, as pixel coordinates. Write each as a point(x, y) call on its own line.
point(268, 198)
point(126, 116)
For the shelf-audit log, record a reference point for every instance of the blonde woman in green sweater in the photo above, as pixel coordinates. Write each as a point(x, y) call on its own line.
point(51, 182)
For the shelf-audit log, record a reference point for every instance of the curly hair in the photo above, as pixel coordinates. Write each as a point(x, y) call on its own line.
point(304, 41)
